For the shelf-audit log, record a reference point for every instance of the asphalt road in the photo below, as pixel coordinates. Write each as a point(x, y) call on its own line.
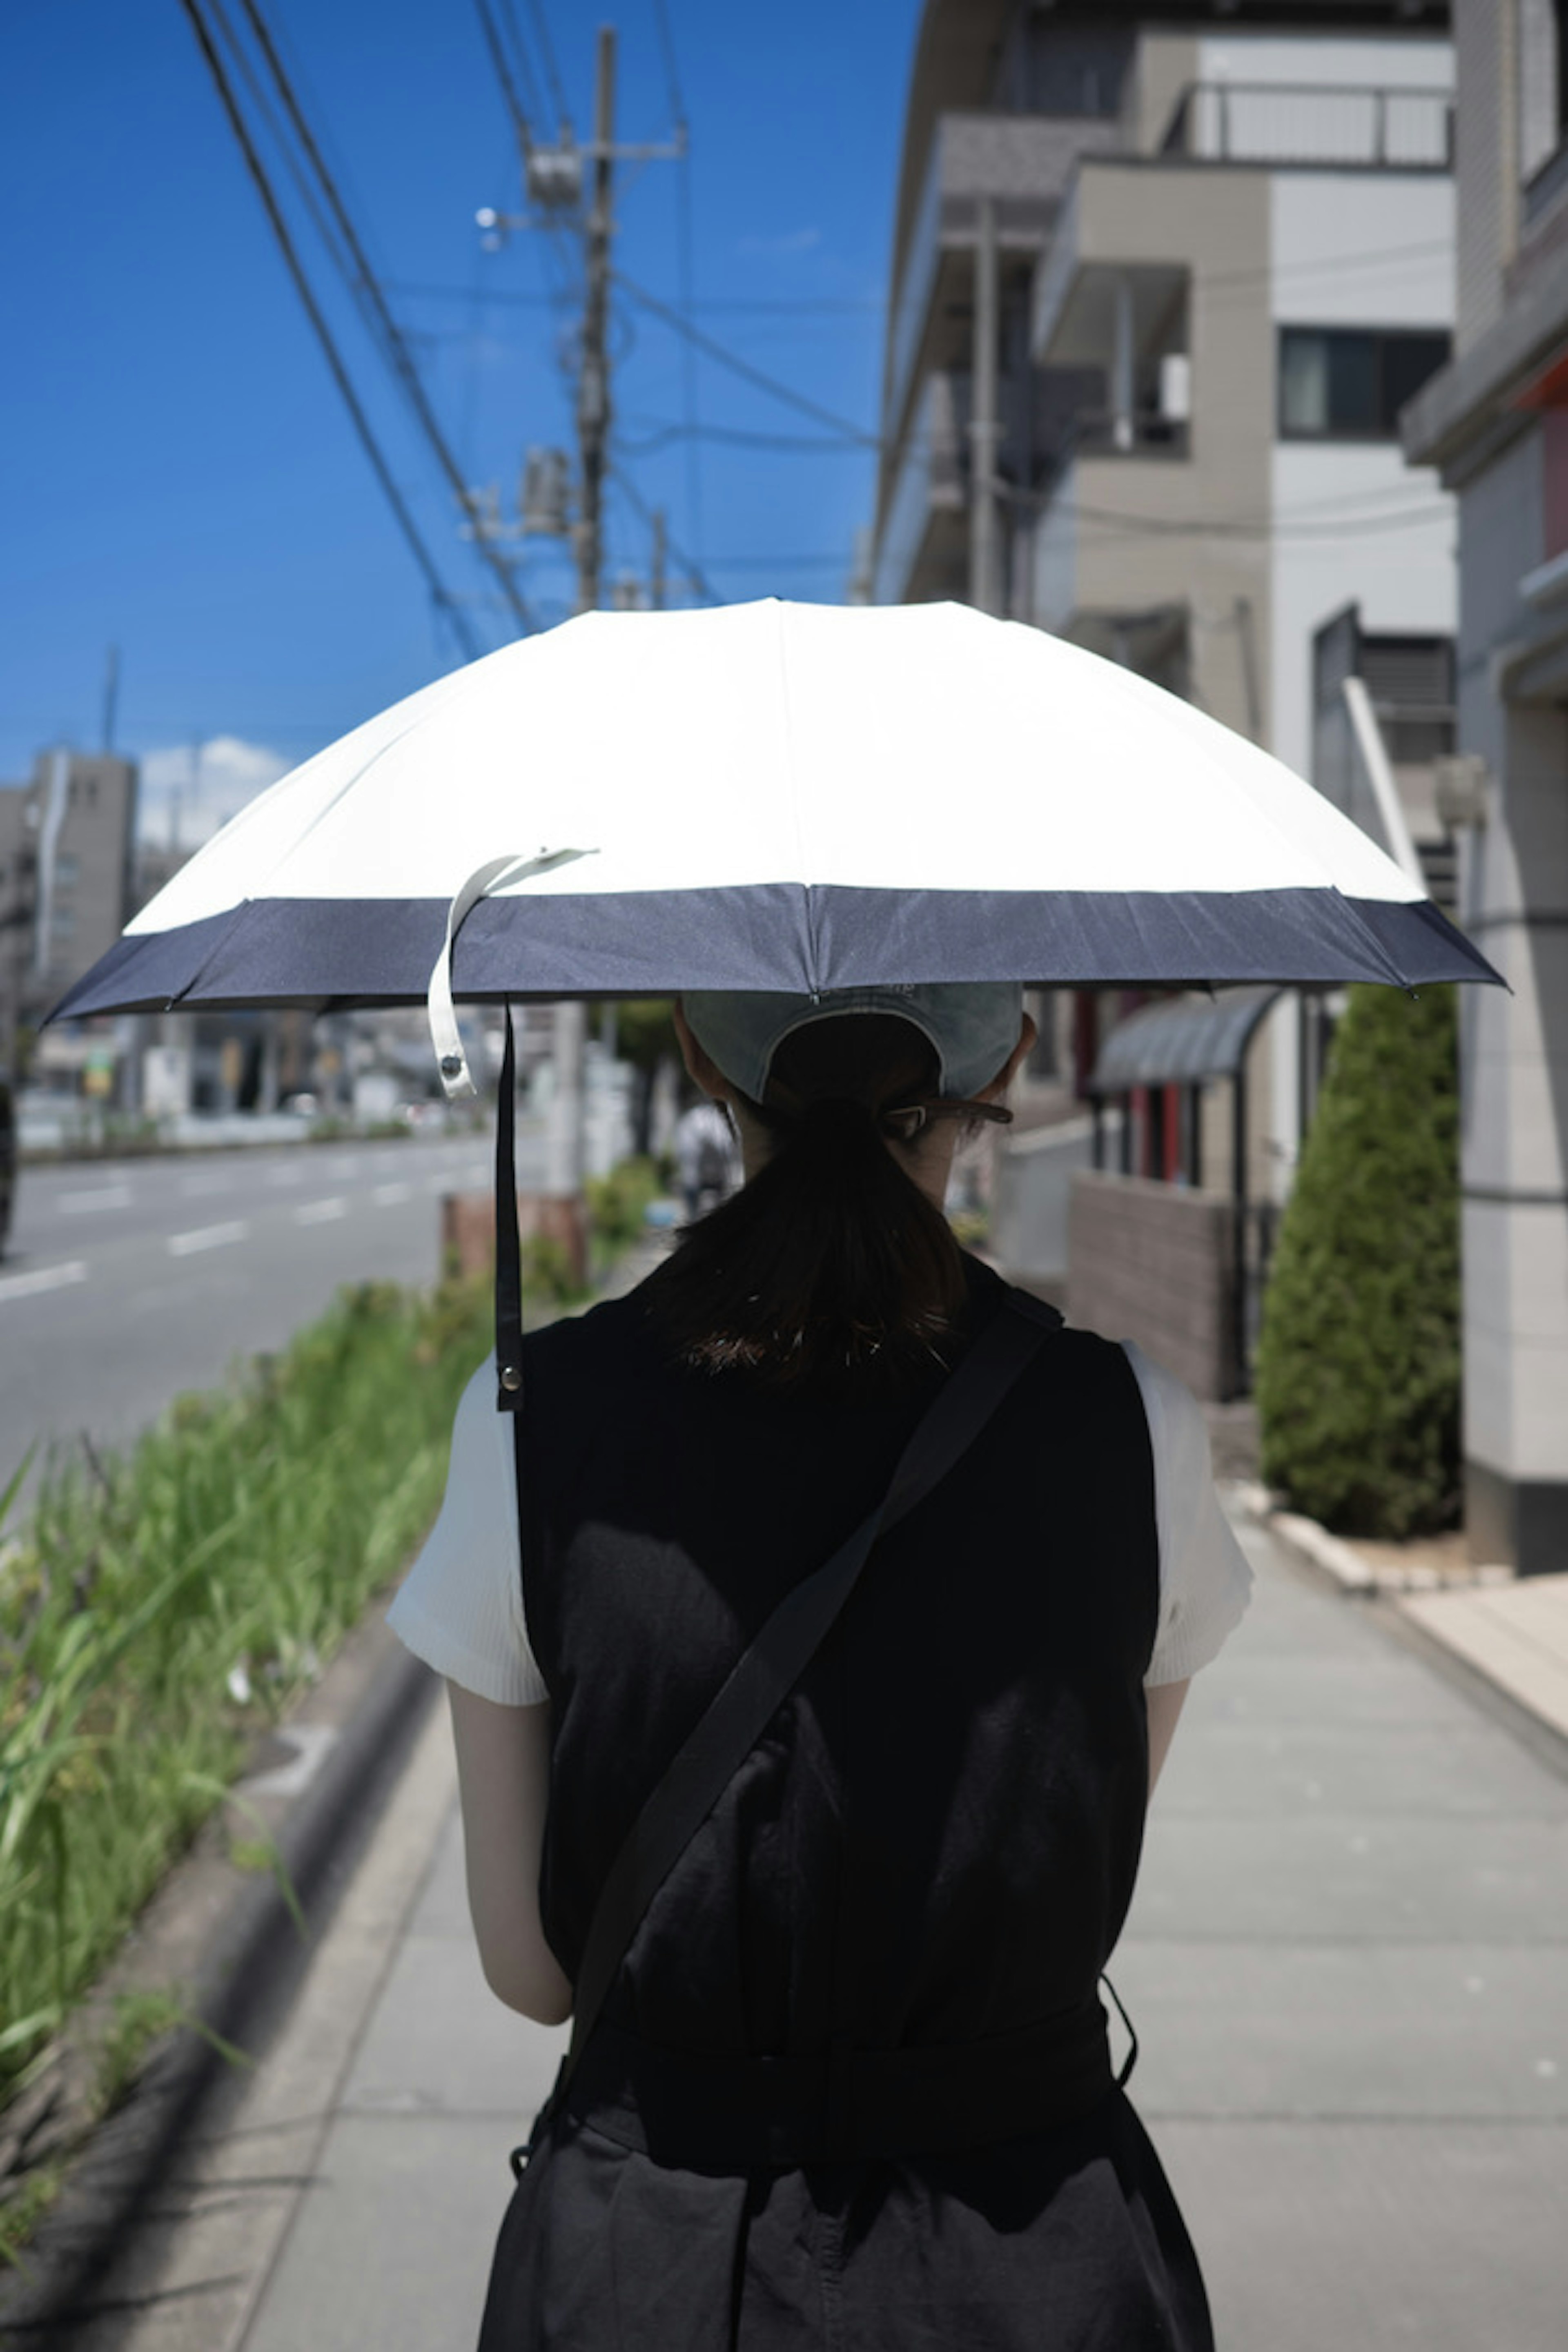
point(127, 1282)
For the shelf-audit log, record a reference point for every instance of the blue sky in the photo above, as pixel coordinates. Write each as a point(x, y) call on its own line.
point(179, 476)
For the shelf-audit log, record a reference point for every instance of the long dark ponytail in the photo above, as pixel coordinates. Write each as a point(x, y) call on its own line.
point(830, 1268)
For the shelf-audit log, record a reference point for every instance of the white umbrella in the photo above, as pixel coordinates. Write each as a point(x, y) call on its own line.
point(775, 796)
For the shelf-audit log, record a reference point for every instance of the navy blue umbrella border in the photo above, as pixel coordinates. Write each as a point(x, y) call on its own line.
point(316, 952)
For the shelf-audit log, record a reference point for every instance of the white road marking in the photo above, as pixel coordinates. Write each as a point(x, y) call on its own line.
point(208, 1237)
point(385, 1196)
point(108, 1196)
point(45, 1277)
point(321, 1212)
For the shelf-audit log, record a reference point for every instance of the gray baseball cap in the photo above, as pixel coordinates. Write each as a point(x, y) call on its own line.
point(972, 1024)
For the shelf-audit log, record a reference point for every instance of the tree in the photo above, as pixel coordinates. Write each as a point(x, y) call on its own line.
point(1358, 1362)
point(645, 1036)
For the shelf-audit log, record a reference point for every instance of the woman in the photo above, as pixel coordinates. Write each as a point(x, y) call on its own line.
point(850, 2086)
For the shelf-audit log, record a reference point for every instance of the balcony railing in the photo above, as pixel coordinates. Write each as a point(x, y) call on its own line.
point(1258, 122)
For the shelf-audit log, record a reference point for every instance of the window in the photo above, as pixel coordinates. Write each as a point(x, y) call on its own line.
point(1349, 383)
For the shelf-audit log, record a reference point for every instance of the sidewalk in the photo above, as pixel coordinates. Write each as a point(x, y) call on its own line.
point(1345, 1963)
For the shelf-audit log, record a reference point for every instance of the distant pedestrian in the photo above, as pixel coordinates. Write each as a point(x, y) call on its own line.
point(845, 2078)
point(704, 1157)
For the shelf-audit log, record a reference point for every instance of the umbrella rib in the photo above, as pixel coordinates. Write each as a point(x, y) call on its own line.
point(813, 940)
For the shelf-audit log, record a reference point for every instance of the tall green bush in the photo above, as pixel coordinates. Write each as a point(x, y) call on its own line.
point(1358, 1363)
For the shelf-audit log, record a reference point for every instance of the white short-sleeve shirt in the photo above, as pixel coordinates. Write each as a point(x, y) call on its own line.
point(461, 1607)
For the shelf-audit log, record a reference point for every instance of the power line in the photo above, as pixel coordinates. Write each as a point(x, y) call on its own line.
point(514, 105)
point(547, 50)
point(394, 346)
point(743, 368)
point(734, 436)
point(667, 48)
point(441, 594)
point(429, 290)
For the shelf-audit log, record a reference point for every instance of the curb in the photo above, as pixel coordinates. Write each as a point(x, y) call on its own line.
point(1315, 1548)
point(1312, 1544)
point(346, 1744)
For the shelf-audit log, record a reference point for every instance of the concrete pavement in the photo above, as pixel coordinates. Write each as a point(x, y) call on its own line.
point(1346, 1964)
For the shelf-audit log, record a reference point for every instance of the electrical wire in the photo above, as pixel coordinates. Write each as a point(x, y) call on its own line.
point(667, 49)
point(734, 436)
point(547, 51)
point(441, 594)
point(503, 74)
point(743, 368)
point(393, 343)
point(426, 290)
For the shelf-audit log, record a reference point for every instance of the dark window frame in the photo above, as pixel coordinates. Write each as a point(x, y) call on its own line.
point(1380, 339)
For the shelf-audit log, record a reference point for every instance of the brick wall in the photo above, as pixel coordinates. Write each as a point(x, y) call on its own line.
point(1153, 1262)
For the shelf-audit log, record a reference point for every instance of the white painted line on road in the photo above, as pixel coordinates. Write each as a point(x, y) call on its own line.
point(208, 1237)
point(45, 1277)
point(108, 1196)
point(385, 1195)
point(321, 1212)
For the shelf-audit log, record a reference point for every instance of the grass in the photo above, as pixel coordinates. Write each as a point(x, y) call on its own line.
point(158, 1607)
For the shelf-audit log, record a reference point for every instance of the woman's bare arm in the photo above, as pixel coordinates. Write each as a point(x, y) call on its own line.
point(1163, 1703)
point(503, 1778)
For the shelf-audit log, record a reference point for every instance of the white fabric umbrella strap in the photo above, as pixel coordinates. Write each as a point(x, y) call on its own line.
point(450, 1058)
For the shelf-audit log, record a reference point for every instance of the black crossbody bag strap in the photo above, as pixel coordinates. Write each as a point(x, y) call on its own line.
point(739, 1712)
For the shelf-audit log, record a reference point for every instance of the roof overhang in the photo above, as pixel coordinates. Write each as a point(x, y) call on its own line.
point(1182, 1041)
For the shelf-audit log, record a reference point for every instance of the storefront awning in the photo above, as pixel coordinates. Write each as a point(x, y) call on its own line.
point(1182, 1041)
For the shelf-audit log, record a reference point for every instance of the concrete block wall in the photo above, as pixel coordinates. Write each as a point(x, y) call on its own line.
point(1154, 1263)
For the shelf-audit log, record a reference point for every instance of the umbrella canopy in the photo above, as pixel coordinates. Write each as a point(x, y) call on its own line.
point(777, 796)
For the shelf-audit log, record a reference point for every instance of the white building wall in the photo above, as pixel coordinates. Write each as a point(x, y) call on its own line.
point(1298, 60)
point(1351, 522)
point(1357, 250)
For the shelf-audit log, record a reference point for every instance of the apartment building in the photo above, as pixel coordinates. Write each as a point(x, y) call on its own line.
point(1495, 422)
point(1163, 278)
point(66, 843)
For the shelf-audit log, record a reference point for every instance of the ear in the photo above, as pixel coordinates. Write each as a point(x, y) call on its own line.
point(1013, 1063)
point(700, 1068)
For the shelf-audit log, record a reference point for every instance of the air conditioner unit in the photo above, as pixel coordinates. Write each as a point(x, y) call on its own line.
point(1176, 387)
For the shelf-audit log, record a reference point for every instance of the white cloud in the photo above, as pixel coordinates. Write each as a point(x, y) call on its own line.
point(189, 790)
point(793, 240)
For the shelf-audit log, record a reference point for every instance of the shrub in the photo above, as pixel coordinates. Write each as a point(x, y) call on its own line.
point(1358, 1363)
point(618, 1204)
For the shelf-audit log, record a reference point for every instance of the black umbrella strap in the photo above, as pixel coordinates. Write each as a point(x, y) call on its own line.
point(737, 1716)
point(509, 1242)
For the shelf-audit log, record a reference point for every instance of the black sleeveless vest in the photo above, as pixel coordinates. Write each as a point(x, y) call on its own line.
point(923, 1865)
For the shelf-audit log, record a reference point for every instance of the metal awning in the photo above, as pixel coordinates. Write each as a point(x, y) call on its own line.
point(1180, 1041)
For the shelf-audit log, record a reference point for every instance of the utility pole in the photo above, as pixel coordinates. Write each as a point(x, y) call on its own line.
point(985, 425)
point(656, 583)
point(555, 185)
point(567, 1141)
point(593, 371)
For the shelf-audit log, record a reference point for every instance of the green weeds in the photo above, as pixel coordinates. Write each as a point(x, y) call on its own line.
point(157, 1609)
